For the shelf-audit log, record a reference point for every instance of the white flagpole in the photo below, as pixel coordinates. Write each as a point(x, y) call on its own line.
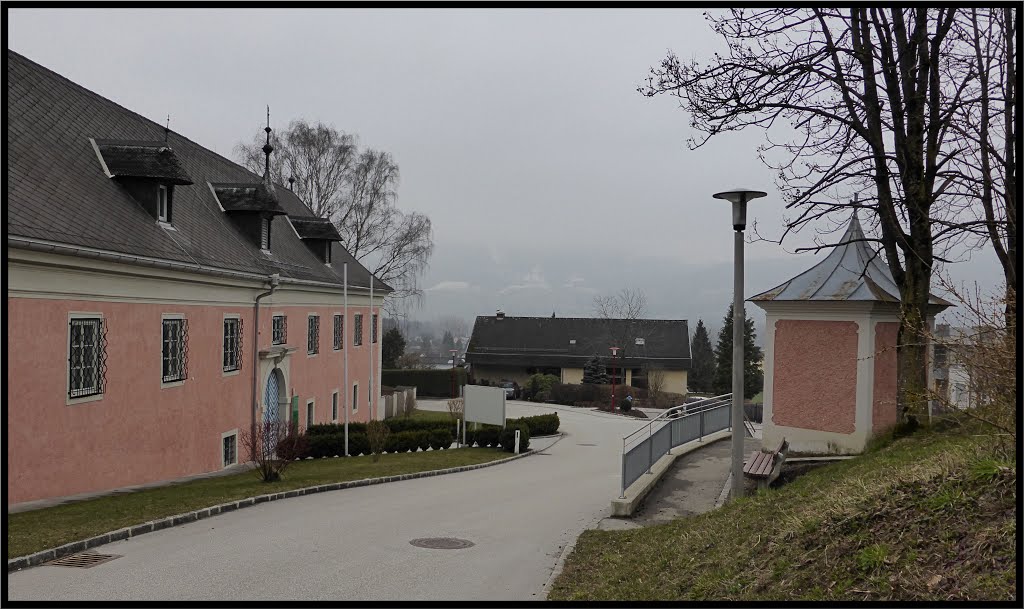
point(373, 400)
point(344, 355)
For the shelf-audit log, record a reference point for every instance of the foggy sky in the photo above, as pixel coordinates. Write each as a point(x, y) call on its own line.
point(520, 133)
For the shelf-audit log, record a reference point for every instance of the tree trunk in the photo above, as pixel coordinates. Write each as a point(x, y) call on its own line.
point(912, 344)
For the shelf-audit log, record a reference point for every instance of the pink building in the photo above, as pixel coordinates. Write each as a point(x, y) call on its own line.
point(830, 351)
point(138, 264)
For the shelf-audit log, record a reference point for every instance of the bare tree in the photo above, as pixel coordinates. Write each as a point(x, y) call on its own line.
point(377, 433)
point(625, 316)
point(357, 190)
point(866, 91)
point(272, 445)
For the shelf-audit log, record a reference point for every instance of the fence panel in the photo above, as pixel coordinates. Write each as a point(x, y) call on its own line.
point(716, 419)
point(685, 429)
point(635, 462)
point(661, 442)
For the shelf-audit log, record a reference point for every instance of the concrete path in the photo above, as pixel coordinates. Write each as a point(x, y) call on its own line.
point(691, 486)
point(354, 544)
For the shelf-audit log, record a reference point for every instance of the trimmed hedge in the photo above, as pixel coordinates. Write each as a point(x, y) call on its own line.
point(428, 383)
point(487, 435)
point(540, 425)
point(507, 437)
point(328, 445)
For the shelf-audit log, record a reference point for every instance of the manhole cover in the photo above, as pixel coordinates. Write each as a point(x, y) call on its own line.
point(586, 445)
point(442, 543)
point(83, 560)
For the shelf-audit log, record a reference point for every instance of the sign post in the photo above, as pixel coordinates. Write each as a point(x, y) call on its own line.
point(517, 441)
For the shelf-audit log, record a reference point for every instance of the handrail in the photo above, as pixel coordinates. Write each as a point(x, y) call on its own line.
point(688, 409)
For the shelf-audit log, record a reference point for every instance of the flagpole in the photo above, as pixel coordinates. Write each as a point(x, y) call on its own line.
point(373, 402)
point(344, 355)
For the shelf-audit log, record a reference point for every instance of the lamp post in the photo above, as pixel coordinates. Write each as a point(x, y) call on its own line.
point(615, 351)
point(739, 198)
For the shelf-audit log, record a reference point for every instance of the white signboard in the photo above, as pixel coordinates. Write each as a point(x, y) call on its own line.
point(485, 404)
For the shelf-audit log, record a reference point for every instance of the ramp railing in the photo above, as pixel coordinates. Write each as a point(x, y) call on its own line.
point(674, 427)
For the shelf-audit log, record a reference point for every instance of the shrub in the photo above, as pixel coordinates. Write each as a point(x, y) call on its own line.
point(540, 425)
point(325, 429)
point(357, 444)
point(326, 445)
point(507, 437)
point(291, 446)
point(428, 383)
point(377, 433)
point(441, 439)
point(487, 435)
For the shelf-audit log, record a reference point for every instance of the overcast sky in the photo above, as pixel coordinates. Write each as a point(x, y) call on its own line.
point(520, 133)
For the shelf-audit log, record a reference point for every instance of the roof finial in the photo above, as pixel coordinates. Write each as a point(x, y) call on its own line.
point(856, 205)
point(267, 148)
point(291, 182)
point(167, 129)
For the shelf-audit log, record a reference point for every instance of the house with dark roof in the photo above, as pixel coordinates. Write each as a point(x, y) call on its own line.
point(504, 348)
point(161, 298)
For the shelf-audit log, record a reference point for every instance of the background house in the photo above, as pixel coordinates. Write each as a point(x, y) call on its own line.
point(513, 348)
point(135, 259)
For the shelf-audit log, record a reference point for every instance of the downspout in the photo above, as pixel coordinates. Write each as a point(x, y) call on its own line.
point(274, 280)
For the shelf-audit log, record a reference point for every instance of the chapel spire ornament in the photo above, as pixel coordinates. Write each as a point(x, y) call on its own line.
point(267, 148)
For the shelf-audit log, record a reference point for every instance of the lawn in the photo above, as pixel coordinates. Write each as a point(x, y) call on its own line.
point(36, 530)
point(930, 517)
point(432, 415)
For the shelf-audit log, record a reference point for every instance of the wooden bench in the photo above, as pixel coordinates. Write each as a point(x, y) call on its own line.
point(764, 465)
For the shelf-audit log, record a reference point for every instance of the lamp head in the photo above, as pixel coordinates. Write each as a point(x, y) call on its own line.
point(739, 198)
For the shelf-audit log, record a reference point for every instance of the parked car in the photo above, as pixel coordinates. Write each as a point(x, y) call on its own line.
point(510, 390)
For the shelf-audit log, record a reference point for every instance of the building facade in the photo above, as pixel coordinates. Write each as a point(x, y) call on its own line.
point(504, 348)
point(161, 300)
point(830, 351)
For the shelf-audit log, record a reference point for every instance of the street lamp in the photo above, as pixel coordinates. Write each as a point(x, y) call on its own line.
point(615, 351)
point(739, 198)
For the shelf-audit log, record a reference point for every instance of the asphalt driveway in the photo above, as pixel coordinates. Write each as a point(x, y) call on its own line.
point(354, 544)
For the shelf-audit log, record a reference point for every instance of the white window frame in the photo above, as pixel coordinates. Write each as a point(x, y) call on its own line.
point(355, 397)
point(265, 222)
point(160, 353)
point(163, 204)
point(335, 403)
point(225, 436)
point(70, 401)
point(239, 368)
point(310, 410)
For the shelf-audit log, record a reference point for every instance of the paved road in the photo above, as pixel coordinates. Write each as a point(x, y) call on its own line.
point(354, 544)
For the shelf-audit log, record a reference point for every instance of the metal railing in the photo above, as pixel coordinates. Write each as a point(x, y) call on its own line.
point(674, 427)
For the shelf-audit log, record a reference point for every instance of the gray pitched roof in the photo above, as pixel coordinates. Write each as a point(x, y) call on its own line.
point(312, 227)
point(57, 190)
point(851, 272)
point(545, 341)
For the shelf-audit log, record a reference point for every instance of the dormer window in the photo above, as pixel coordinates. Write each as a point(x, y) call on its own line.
point(317, 233)
point(163, 204)
point(265, 234)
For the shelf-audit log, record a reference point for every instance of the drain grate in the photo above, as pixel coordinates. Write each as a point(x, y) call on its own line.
point(83, 560)
point(442, 543)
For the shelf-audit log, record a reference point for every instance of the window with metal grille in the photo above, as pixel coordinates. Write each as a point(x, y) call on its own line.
point(355, 397)
point(357, 335)
point(280, 326)
point(339, 332)
point(230, 450)
point(309, 413)
point(313, 335)
point(232, 344)
point(373, 329)
point(175, 350)
point(86, 357)
point(334, 406)
point(265, 234)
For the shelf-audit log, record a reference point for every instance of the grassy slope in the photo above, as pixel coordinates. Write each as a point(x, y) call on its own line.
point(920, 519)
point(29, 532)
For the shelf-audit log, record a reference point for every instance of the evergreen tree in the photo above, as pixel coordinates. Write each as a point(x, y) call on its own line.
point(447, 342)
point(753, 377)
point(393, 347)
point(702, 354)
point(594, 372)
